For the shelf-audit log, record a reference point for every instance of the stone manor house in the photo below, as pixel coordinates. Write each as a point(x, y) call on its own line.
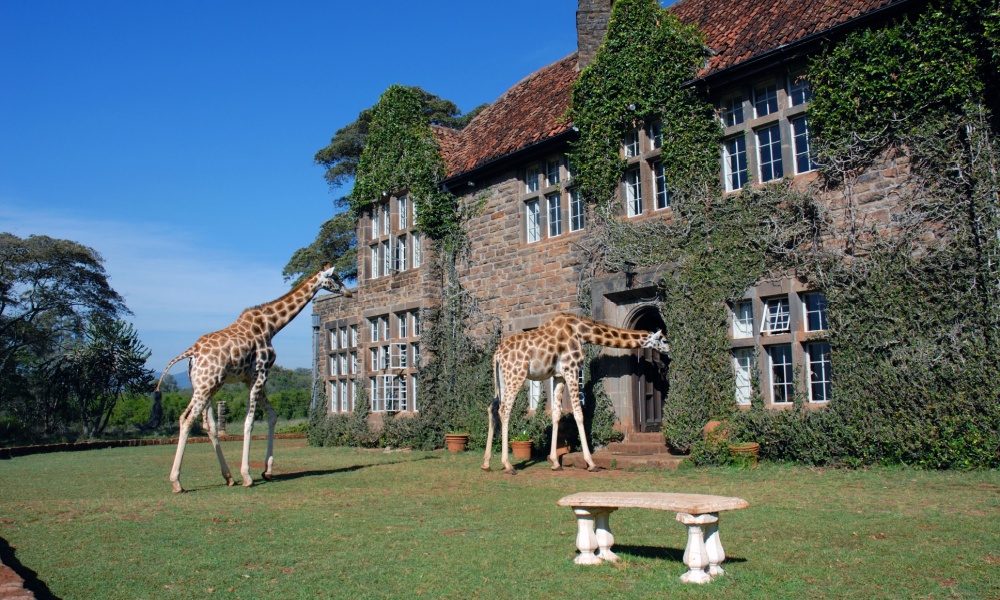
point(526, 259)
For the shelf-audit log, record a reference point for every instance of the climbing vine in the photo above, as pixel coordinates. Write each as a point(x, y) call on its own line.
point(636, 78)
point(401, 153)
point(912, 303)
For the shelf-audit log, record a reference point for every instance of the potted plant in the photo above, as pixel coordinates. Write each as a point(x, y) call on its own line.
point(456, 442)
point(520, 445)
point(745, 453)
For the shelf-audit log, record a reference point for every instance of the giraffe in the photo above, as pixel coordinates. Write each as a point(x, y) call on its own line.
point(554, 350)
point(242, 352)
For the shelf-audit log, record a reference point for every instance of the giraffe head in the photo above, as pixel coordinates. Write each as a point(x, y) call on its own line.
point(330, 281)
point(657, 341)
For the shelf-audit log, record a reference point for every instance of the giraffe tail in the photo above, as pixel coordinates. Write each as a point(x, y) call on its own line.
point(497, 393)
point(186, 354)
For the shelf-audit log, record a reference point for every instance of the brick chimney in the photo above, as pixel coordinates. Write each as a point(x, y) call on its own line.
point(591, 25)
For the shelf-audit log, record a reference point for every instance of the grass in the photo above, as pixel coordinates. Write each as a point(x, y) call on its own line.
point(339, 523)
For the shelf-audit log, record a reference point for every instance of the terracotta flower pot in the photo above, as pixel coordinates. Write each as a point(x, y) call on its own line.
point(456, 442)
point(745, 453)
point(715, 431)
point(521, 449)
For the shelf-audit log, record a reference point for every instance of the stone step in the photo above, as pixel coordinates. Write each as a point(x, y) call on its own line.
point(649, 437)
point(606, 460)
point(628, 447)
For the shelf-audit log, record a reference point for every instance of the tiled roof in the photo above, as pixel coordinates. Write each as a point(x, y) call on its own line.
point(528, 113)
point(738, 31)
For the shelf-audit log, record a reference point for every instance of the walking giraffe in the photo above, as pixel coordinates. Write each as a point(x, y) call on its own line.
point(554, 350)
point(242, 352)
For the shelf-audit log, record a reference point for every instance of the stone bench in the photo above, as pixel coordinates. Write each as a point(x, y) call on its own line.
point(699, 512)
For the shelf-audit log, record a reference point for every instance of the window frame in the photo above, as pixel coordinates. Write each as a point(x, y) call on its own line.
point(821, 310)
point(552, 175)
point(743, 374)
point(532, 221)
point(800, 137)
point(774, 166)
point(765, 94)
point(631, 146)
point(633, 192)
point(531, 174)
point(823, 376)
point(553, 203)
point(661, 195)
point(577, 211)
point(743, 324)
point(731, 111)
point(740, 177)
point(786, 381)
point(771, 321)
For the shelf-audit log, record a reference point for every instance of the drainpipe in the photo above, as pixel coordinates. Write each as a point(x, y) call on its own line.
point(315, 362)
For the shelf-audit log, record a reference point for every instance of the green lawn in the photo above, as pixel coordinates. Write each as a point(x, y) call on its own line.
point(339, 523)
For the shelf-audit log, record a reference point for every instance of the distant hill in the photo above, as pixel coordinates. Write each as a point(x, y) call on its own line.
point(182, 379)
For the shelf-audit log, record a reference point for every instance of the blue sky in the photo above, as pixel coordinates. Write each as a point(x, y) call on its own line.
point(177, 138)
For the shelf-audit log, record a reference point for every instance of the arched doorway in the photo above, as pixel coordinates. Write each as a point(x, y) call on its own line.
point(649, 382)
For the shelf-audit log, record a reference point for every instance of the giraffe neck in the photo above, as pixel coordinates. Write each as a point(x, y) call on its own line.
point(594, 332)
point(273, 316)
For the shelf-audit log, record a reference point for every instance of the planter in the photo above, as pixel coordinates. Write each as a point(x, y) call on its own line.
point(715, 431)
point(745, 453)
point(456, 442)
point(521, 449)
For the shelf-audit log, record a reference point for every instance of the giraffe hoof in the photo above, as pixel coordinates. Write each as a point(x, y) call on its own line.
point(557, 468)
point(486, 468)
point(247, 483)
point(511, 472)
point(266, 476)
point(230, 481)
point(594, 468)
point(178, 489)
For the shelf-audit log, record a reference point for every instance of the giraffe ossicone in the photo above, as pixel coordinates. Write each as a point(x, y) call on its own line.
point(242, 352)
point(554, 350)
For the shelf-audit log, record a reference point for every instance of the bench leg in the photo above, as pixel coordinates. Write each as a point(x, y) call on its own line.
point(695, 553)
point(604, 538)
point(586, 539)
point(713, 546)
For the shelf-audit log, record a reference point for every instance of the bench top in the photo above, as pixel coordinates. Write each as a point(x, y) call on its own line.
point(694, 504)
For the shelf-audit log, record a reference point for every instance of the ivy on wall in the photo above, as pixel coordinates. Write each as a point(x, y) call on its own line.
point(913, 303)
point(635, 79)
point(402, 154)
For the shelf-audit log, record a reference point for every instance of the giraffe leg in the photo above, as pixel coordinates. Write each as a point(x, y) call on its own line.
point(186, 420)
point(208, 418)
point(489, 435)
point(272, 418)
point(505, 411)
point(574, 397)
point(255, 390)
point(557, 396)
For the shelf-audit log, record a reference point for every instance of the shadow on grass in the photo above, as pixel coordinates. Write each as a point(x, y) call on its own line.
point(320, 472)
point(31, 581)
point(661, 553)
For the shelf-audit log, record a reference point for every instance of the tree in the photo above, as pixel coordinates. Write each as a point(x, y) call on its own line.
point(335, 245)
point(95, 374)
point(49, 289)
